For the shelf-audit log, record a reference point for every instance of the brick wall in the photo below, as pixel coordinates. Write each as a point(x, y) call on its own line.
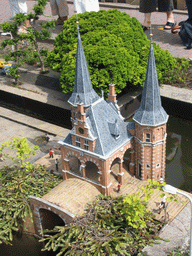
point(150, 151)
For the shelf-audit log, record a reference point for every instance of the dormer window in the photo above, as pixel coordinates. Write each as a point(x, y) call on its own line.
point(114, 129)
point(148, 137)
point(78, 143)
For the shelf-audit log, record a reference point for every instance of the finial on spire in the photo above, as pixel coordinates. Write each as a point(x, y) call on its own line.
point(77, 22)
point(150, 27)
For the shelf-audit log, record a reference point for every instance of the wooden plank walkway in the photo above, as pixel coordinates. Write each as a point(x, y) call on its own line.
point(131, 185)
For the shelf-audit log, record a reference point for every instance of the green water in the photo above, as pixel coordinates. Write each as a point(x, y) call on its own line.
point(179, 153)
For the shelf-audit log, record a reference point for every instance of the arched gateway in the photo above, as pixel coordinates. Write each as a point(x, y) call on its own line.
point(47, 215)
point(100, 135)
point(100, 142)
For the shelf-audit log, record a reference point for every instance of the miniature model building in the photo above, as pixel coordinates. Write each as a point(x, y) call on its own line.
point(100, 137)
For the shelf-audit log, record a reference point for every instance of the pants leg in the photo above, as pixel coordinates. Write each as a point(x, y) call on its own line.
point(189, 7)
point(165, 5)
point(147, 6)
point(18, 6)
point(62, 8)
point(54, 8)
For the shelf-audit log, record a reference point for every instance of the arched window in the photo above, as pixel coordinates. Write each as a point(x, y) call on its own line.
point(74, 165)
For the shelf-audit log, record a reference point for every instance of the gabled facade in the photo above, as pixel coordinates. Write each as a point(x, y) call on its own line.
point(100, 138)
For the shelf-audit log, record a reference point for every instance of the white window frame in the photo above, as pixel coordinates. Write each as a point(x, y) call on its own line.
point(148, 137)
point(78, 142)
point(86, 144)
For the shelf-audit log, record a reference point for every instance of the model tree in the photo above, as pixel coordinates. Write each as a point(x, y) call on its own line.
point(18, 180)
point(18, 55)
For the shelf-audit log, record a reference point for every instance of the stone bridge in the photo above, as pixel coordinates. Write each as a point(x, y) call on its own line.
point(63, 203)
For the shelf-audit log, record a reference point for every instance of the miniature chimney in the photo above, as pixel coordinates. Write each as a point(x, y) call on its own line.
point(111, 94)
point(82, 112)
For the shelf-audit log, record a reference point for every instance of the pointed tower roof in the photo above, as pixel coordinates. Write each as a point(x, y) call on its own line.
point(83, 89)
point(151, 112)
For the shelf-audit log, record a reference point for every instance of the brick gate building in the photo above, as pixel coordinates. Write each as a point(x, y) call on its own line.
point(101, 138)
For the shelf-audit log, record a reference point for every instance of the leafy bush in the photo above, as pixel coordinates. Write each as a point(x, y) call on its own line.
point(17, 182)
point(32, 52)
point(116, 50)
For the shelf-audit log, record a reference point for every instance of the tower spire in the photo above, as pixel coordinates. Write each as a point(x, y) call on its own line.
point(151, 112)
point(83, 86)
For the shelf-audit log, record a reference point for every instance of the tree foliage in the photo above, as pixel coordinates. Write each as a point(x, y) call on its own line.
point(116, 50)
point(19, 56)
point(111, 226)
point(17, 182)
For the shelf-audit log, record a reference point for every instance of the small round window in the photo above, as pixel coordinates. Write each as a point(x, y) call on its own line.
point(81, 130)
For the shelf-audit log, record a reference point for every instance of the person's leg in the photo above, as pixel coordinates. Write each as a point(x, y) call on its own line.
point(147, 7)
point(14, 7)
point(167, 7)
point(147, 18)
point(18, 6)
point(189, 8)
point(22, 6)
point(63, 9)
point(54, 8)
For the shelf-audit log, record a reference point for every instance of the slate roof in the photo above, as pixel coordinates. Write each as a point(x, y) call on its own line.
point(103, 120)
point(106, 126)
point(151, 112)
point(83, 89)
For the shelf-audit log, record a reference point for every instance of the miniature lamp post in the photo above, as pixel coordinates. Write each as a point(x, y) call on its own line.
point(172, 190)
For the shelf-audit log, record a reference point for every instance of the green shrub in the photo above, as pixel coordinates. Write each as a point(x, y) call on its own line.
point(17, 182)
point(104, 230)
point(116, 50)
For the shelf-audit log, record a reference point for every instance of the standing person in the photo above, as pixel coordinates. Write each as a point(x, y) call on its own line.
point(162, 204)
point(189, 8)
point(51, 153)
point(60, 8)
point(56, 164)
point(20, 6)
point(149, 6)
point(82, 6)
point(118, 187)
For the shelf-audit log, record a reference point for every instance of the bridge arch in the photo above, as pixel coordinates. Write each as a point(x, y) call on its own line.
point(50, 219)
point(43, 211)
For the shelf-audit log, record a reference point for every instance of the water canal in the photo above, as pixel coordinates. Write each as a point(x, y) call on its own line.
point(179, 150)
